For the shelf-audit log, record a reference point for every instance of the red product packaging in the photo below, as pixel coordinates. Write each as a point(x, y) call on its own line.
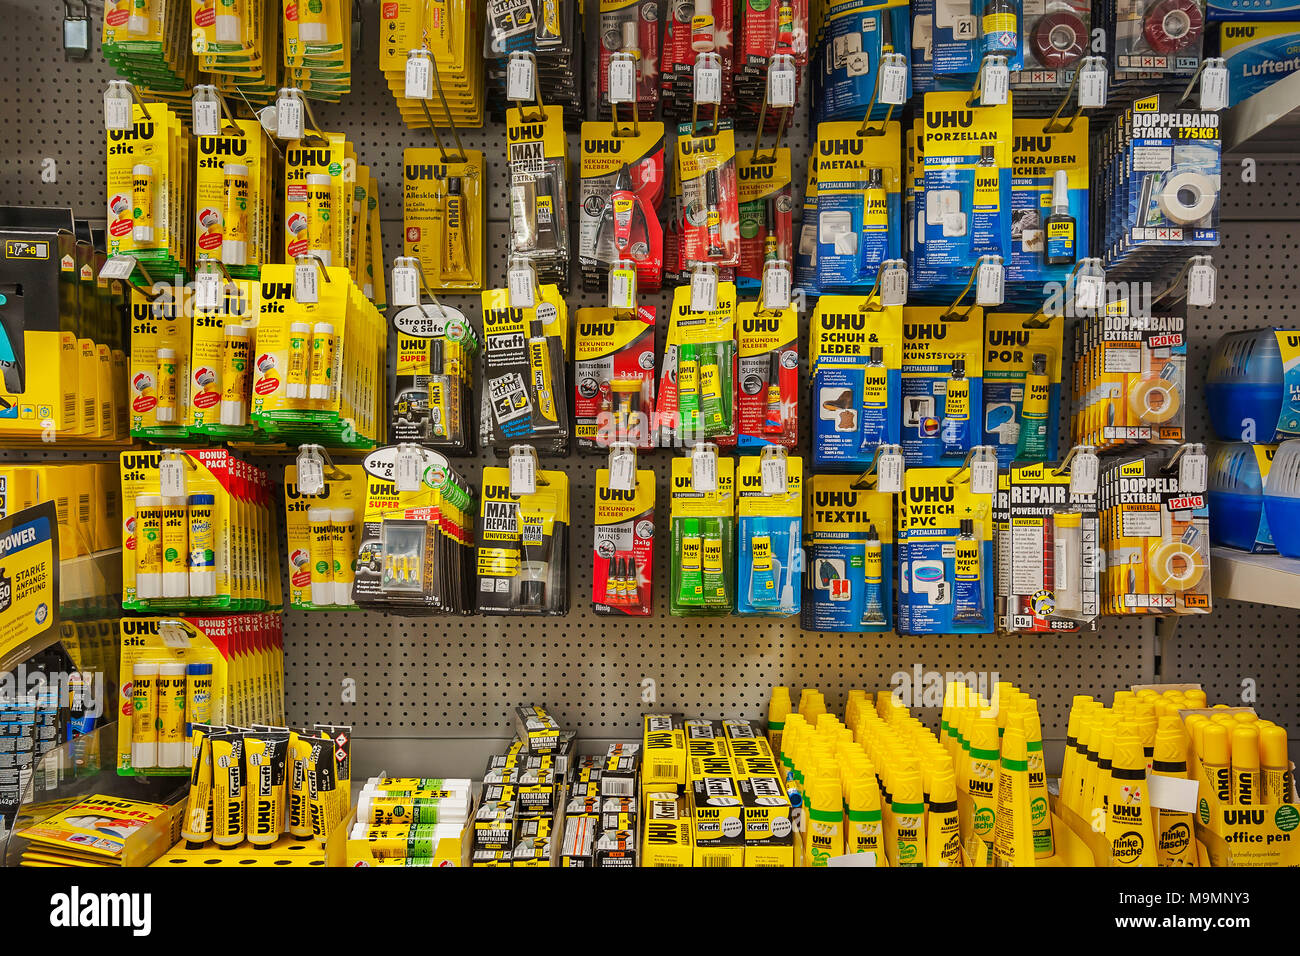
point(622, 571)
point(630, 28)
point(766, 209)
point(692, 28)
point(710, 223)
point(614, 377)
point(767, 403)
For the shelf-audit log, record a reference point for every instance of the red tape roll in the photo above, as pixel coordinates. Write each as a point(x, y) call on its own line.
point(1058, 40)
point(1173, 24)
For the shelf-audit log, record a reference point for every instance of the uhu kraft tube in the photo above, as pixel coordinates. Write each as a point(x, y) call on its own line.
point(299, 362)
point(321, 784)
point(942, 824)
point(1013, 835)
point(171, 714)
point(539, 364)
point(165, 376)
point(264, 755)
point(234, 236)
point(1129, 829)
point(1175, 843)
point(235, 356)
point(198, 696)
point(196, 827)
point(298, 820)
point(320, 219)
point(144, 715)
point(202, 550)
point(321, 545)
point(1275, 767)
point(321, 374)
point(227, 788)
point(343, 544)
point(175, 548)
point(148, 546)
point(143, 197)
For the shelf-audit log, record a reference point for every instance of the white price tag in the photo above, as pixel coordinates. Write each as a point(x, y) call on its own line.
point(704, 290)
point(621, 296)
point(889, 472)
point(782, 87)
point(117, 267)
point(997, 80)
point(523, 475)
point(171, 477)
point(117, 108)
point(406, 286)
point(419, 78)
point(622, 471)
point(1092, 84)
point(893, 285)
point(288, 117)
point(1084, 468)
point(893, 79)
point(267, 116)
point(1201, 280)
point(776, 288)
point(207, 117)
point(304, 283)
point(772, 474)
point(708, 82)
point(207, 291)
point(520, 78)
point(983, 476)
point(622, 80)
point(1193, 472)
point(1173, 793)
point(406, 469)
point(1088, 292)
point(989, 283)
point(704, 470)
point(522, 293)
point(1214, 85)
point(311, 473)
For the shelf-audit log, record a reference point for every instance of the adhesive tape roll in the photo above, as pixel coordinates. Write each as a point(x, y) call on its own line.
point(1188, 197)
point(1177, 566)
point(1058, 39)
point(1154, 400)
point(1173, 24)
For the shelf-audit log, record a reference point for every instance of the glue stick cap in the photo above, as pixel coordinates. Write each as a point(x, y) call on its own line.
point(1272, 748)
point(172, 754)
point(1216, 747)
point(144, 753)
point(691, 528)
point(312, 31)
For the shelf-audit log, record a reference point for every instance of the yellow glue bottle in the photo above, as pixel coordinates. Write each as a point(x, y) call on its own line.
point(1275, 766)
point(1040, 815)
point(983, 776)
point(1175, 840)
point(1129, 829)
point(824, 807)
point(942, 823)
point(144, 715)
point(1013, 833)
point(1245, 765)
point(778, 709)
point(907, 803)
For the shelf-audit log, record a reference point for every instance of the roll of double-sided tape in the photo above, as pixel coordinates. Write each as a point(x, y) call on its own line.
point(1176, 566)
point(1173, 24)
point(1187, 197)
point(1059, 39)
point(1154, 400)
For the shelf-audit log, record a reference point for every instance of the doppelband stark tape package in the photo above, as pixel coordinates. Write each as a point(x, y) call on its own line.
point(1258, 55)
point(848, 556)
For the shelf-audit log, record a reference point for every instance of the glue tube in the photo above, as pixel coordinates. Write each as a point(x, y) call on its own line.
point(688, 388)
point(202, 546)
point(1175, 844)
point(824, 810)
point(320, 220)
point(296, 375)
point(321, 375)
point(982, 777)
point(196, 826)
point(1032, 443)
point(343, 545)
point(171, 714)
point(1013, 834)
point(713, 406)
point(148, 546)
point(1245, 766)
point(265, 753)
point(954, 430)
point(165, 377)
point(1215, 760)
point(144, 715)
point(227, 788)
point(762, 582)
point(321, 540)
point(968, 576)
point(198, 696)
point(142, 201)
point(234, 236)
point(873, 607)
point(299, 815)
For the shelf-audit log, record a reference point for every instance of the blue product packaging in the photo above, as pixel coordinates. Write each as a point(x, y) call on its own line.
point(942, 384)
point(1012, 343)
point(1258, 55)
point(1252, 10)
point(769, 550)
point(846, 63)
point(859, 202)
point(1049, 232)
point(1235, 493)
point(849, 556)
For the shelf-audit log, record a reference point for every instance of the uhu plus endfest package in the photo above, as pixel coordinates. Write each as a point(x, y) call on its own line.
point(848, 556)
point(697, 390)
point(710, 224)
point(525, 395)
point(1048, 559)
point(196, 670)
point(433, 395)
point(622, 575)
point(945, 554)
point(538, 152)
point(767, 375)
point(621, 190)
point(443, 220)
point(942, 384)
point(855, 357)
point(1156, 540)
point(1022, 385)
point(416, 538)
point(859, 194)
point(523, 545)
point(703, 538)
point(1049, 201)
point(614, 385)
point(321, 537)
point(765, 209)
point(769, 553)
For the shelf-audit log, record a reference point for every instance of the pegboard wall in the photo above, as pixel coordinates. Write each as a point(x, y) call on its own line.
point(437, 695)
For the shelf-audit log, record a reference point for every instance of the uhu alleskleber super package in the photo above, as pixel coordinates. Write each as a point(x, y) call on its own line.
point(523, 544)
point(525, 397)
point(416, 539)
point(186, 671)
point(622, 575)
point(198, 532)
point(433, 398)
point(444, 223)
point(321, 538)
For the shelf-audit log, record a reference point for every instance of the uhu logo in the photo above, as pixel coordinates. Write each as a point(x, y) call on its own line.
point(301, 156)
point(758, 172)
point(137, 626)
point(924, 493)
point(1293, 341)
point(137, 131)
point(706, 144)
point(595, 330)
point(291, 491)
point(277, 290)
point(984, 787)
point(835, 499)
point(529, 131)
point(661, 833)
point(617, 494)
point(417, 171)
point(1000, 337)
point(761, 325)
point(1032, 144)
point(141, 459)
point(504, 316)
point(1124, 811)
point(223, 145)
point(141, 312)
point(497, 492)
point(1234, 818)
point(856, 321)
point(840, 147)
point(596, 146)
point(944, 119)
point(925, 330)
point(1235, 32)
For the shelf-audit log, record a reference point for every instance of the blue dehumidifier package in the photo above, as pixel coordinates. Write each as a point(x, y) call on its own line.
point(1252, 10)
point(1253, 386)
point(1258, 55)
point(848, 555)
point(1022, 385)
point(769, 536)
point(966, 31)
point(855, 356)
point(942, 384)
point(846, 62)
point(945, 554)
point(859, 196)
point(1049, 202)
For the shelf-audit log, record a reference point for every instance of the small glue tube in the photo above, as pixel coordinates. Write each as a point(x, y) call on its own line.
point(148, 546)
point(172, 751)
point(234, 240)
point(322, 557)
point(165, 410)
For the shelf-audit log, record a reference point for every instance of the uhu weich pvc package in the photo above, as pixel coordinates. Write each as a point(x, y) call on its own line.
point(197, 532)
point(1047, 549)
point(198, 669)
point(1022, 385)
point(697, 384)
point(942, 384)
point(767, 376)
point(149, 171)
point(415, 547)
point(703, 538)
point(769, 517)
point(622, 575)
point(847, 58)
point(855, 357)
point(319, 373)
point(621, 190)
point(614, 384)
point(443, 219)
point(709, 229)
point(848, 555)
point(538, 153)
point(433, 394)
point(1049, 202)
point(525, 394)
point(160, 365)
point(1130, 378)
point(322, 536)
point(945, 554)
point(765, 209)
point(523, 545)
point(859, 194)
point(223, 343)
point(234, 195)
point(1156, 539)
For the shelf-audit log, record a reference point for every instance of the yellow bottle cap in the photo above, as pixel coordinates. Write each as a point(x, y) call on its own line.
point(1171, 741)
point(1196, 699)
point(1120, 696)
point(942, 785)
point(1223, 718)
point(984, 735)
point(1013, 739)
point(1245, 717)
point(778, 708)
point(906, 787)
point(1272, 747)
point(863, 793)
point(1215, 747)
point(1245, 747)
point(1128, 753)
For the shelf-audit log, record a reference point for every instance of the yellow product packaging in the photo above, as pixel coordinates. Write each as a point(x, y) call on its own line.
point(623, 547)
point(375, 285)
point(145, 182)
point(231, 203)
point(668, 840)
point(698, 382)
point(703, 525)
point(318, 529)
point(160, 366)
point(523, 545)
point(315, 203)
point(443, 218)
point(223, 343)
point(664, 744)
point(226, 29)
point(767, 814)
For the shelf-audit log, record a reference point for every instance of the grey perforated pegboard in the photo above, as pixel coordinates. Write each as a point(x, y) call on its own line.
point(436, 695)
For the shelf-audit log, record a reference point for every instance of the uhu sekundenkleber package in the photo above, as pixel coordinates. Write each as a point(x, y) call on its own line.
point(433, 397)
point(767, 394)
point(766, 207)
point(622, 577)
point(622, 187)
point(524, 396)
point(523, 543)
point(614, 369)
